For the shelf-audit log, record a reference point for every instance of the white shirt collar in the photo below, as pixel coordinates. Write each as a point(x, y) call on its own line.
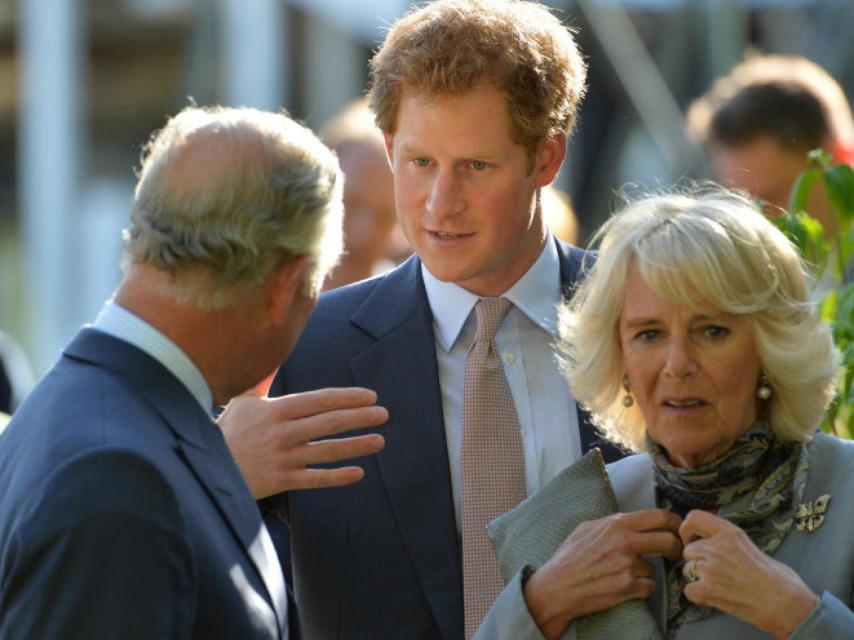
point(536, 294)
point(120, 323)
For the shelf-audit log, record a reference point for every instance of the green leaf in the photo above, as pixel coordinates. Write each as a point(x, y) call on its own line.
point(840, 189)
point(845, 247)
point(819, 158)
point(848, 378)
point(845, 304)
point(808, 235)
point(828, 306)
point(801, 190)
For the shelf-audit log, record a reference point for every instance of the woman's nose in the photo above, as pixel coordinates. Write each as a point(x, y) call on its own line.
point(680, 359)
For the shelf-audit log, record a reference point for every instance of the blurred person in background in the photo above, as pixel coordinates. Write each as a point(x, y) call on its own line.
point(16, 375)
point(760, 121)
point(369, 218)
point(122, 511)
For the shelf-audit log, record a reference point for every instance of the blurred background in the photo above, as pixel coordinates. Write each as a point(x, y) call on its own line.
point(83, 83)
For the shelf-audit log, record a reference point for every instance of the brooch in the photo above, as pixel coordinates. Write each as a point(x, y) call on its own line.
point(809, 518)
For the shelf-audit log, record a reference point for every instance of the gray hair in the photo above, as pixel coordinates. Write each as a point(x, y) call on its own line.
point(711, 245)
point(225, 195)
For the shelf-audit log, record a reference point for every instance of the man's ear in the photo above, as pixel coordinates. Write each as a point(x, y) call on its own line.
point(285, 284)
point(388, 141)
point(551, 152)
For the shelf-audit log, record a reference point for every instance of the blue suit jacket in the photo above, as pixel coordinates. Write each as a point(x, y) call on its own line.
point(381, 559)
point(122, 513)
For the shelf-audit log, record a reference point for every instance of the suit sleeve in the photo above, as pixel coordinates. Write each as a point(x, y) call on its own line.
point(830, 620)
point(509, 618)
point(99, 552)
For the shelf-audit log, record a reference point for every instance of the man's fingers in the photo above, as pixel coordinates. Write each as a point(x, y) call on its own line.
point(325, 451)
point(321, 478)
point(310, 403)
point(335, 422)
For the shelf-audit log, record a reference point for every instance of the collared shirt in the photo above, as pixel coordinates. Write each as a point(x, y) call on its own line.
point(120, 323)
point(547, 412)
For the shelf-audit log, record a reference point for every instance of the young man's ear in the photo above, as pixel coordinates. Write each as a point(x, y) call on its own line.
point(551, 152)
point(286, 284)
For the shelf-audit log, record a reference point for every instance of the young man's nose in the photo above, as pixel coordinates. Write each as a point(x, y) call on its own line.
point(444, 196)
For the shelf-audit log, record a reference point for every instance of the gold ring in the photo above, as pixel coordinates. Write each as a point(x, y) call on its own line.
point(690, 571)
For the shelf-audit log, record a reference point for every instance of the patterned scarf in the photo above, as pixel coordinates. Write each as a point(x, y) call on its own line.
point(774, 472)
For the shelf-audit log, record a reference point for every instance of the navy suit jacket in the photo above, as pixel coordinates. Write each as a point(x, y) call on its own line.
point(381, 558)
point(122, 512)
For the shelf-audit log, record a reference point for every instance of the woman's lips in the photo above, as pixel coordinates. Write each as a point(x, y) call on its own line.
point(684, 403)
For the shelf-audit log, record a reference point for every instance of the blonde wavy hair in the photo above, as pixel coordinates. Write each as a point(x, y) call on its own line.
point(226, 194)
point(709, 245)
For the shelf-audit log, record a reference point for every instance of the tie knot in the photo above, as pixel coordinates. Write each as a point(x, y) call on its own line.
point(490, 313)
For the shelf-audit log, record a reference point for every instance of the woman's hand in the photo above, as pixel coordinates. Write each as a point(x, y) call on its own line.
point(599, 566)
point(733, 575)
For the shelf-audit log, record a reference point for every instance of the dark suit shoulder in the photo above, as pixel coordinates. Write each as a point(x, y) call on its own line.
point(103, 481)
point(329, 332)
point(80, 406)
point(346, 322)
point(340, 304)
point(101, 546)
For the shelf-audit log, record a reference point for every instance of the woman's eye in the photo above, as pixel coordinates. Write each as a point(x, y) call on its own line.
point(647, 335)
point(716, 332)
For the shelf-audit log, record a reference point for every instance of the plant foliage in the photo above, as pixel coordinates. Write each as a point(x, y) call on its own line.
point(830, 252)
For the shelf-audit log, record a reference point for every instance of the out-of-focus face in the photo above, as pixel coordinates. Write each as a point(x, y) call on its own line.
point(762, 167)
point(368, 199)
point(693, 372)
point(464, 189)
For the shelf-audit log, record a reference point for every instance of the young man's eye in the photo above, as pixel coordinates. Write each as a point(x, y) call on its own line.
point(421, 162)
point(478, 165)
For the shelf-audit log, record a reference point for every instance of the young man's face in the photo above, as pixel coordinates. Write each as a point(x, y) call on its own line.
point(464, 190)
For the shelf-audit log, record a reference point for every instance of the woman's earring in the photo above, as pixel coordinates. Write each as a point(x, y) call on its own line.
point(628, 401)
point(764, 391)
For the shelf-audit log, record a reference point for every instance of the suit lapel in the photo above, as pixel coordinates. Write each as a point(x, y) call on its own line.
point(401, 367)
point(574, 263)
point(201, 444)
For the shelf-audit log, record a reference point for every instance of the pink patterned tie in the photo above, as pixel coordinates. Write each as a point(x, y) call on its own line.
point(493, 462)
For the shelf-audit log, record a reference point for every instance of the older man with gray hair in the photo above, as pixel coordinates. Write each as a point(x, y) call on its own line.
point(122, 511)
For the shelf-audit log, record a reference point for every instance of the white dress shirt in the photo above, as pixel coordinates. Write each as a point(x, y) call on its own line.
point(120, 323)
point(547, 412)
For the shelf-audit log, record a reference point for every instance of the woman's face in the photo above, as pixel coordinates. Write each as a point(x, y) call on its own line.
point(693, 372)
